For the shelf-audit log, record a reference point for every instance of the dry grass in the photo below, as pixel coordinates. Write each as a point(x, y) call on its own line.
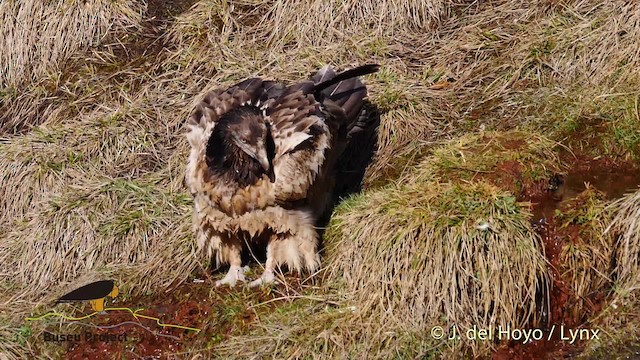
point(39, 38)
point(279, 23)
point(413, 254)
point(626, 224)
point(533, 65)
point(587, 257)
point(317, 330)
point(107, 224)
point(30, 50)
point(102, 162)
point(13, 343)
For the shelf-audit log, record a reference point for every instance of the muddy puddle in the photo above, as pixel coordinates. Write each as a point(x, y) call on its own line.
point(613, 179)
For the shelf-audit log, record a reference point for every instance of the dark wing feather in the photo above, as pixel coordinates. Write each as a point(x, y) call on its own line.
point(347, 94)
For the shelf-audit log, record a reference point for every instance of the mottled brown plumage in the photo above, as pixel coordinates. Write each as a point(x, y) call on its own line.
point(262, 166)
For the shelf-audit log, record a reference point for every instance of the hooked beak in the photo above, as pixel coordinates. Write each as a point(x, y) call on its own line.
point(266, 165)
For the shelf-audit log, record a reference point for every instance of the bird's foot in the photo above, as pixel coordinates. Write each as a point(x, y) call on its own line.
point(235, 273)
point(266, 278)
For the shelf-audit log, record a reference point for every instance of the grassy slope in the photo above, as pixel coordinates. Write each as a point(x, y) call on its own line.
point(104, 159)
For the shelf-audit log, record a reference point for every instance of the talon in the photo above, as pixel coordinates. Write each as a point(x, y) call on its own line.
point(235, 274)
point(266, 278)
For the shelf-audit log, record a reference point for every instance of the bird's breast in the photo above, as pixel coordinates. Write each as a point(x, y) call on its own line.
point(236, 201)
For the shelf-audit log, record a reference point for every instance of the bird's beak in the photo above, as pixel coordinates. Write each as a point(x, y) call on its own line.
point(264, 162)
point(114, 292)
point(266, 165)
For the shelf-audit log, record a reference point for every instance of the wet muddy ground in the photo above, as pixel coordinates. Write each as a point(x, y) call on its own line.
point(217, 312)
point(613, 179)
point(186, 306)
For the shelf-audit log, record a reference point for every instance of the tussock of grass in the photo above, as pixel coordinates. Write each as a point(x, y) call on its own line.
point(35, 166)
point(278, 23)
point(412, 254)
point(323, 325)
point(626, 224)
point(39, 38)
point(108, 224)
point(30, 51)
point(587, 257)
point(619, 320)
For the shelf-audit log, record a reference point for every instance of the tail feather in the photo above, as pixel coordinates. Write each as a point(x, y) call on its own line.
point(344, 89)
point(352, 73)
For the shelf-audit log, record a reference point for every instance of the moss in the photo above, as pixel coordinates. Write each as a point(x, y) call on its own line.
point(516, 161)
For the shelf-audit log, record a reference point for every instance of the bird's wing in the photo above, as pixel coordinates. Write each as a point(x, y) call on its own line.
point(291, 116)
point(307, 119)
point(218, 102)
point(300, 136)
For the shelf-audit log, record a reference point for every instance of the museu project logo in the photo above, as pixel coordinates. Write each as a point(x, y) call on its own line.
point(96, 293)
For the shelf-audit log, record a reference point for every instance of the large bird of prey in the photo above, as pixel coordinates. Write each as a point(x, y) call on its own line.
point(262, 166)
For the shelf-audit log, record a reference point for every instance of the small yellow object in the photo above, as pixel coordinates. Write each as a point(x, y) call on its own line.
point(97, 305)
point(114, 292)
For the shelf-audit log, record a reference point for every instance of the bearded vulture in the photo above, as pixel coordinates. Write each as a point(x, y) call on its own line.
point(262, 166)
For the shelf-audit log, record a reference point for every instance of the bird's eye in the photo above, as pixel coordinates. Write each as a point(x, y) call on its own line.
point(244, 141)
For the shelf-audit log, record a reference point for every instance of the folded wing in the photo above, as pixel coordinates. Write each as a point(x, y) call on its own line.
point(310, 125)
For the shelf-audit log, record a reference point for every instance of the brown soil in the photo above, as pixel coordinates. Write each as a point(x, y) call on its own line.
point(196, 305)
point(612, 178)
point(179, 308)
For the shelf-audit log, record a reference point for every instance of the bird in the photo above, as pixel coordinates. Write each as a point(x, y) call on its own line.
point(262, 166)
point(94, 292)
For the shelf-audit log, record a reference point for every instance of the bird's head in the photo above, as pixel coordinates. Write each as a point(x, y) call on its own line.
point(246, 129)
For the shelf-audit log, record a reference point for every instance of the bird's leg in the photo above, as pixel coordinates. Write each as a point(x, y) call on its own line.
point(268, 275)
point(236, 271)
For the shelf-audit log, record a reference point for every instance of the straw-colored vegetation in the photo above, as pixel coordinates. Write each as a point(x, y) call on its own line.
point(451, 253)
point(478, 103)
point(627, 224)
point(587, 256)
point(39, 38)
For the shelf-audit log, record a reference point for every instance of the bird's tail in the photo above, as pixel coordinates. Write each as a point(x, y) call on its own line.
point(345, 89)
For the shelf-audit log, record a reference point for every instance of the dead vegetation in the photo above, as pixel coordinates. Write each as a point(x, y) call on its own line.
point(627, 225)
point(451, 253)
point(92, 183)
point(587, 255)
point(39, 38)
